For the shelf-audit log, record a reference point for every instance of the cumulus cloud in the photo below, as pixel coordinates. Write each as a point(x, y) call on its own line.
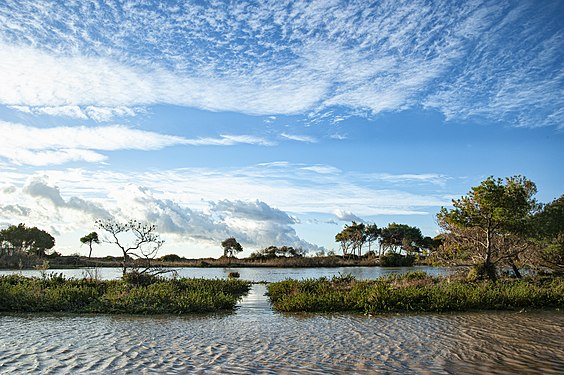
point(254, 224)
point(296, 188)
point(189, 204)
point(343, 215)
point(38, 188)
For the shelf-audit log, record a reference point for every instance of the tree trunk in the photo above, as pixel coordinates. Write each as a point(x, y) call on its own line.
point(515, 270)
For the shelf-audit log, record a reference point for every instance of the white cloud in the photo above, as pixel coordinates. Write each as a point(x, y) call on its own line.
point(99, 114)
point(343, 215)
point(36, 78)
point(322, 169)
point(255, 224)
point(499, 60)
point(46, 146)
point(293, 188)
point(38, 188)
point(299, 138)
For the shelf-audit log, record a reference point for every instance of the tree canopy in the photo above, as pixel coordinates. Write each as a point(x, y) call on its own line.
point(397, 237)
point(21, 238)
point(352, 238)
point(489, 225)
point(231, 247)
point(273, 252)
point(89, 239)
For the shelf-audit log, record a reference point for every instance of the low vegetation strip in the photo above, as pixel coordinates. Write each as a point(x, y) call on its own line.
point(153, 295)
point(414, 292)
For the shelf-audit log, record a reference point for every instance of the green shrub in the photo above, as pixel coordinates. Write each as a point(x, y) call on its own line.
point(134, 295)
point(140, 278)
point(396, 260)
point(414, 292)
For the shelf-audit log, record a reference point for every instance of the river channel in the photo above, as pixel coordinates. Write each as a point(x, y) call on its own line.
point(256, 340)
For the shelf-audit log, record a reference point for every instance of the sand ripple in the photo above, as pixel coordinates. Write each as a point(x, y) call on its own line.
point(257, 340)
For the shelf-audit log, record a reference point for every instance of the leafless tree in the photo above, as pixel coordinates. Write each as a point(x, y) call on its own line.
point(136, 240)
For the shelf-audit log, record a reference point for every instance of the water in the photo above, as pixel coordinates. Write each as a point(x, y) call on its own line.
point(255, 339)
point(257, 274)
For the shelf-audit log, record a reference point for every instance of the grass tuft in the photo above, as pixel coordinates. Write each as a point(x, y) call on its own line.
point(133, 295)
point(414, 292)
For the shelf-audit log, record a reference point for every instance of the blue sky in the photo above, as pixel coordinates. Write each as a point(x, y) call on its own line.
point(276, 122)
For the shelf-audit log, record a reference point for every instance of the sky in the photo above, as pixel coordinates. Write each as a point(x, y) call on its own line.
point(276, 122)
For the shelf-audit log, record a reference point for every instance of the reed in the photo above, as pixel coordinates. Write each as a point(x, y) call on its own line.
point(55, 293)
point(414, 292)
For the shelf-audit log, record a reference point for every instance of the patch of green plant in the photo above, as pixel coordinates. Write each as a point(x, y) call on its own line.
point(414, 292)
point(396, 260)
point(134, 295)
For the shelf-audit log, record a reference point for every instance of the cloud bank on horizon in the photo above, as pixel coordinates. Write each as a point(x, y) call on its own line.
point(81, 85)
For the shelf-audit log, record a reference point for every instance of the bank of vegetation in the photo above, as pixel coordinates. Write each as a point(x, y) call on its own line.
point(135, 293)
point(416, 292)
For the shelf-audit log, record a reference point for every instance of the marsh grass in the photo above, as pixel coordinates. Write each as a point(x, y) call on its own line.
point(55, 293)
point(414, 292)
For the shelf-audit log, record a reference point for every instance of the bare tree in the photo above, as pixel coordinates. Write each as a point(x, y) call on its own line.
point(135, 240)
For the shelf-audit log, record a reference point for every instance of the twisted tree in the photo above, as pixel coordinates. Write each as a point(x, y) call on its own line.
point(135, 239)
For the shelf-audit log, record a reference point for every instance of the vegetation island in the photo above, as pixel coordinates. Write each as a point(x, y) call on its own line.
point(511, 247)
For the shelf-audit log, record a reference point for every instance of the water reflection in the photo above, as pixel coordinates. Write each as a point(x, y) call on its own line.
point(256, 274)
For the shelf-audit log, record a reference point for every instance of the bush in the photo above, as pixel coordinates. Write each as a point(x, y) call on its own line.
point(481, 272)
point(396, 260)
point(171, 258)
point(140, 278)
point(145, 295)
point(414, 292)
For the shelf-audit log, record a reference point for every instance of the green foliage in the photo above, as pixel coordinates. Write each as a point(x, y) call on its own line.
point(352, 238)
point(481, 272)
point(138, 278)
point(171, 258)
point(231, 247)
point(89, 239)
point(548, 232)
point(397, 260)
point(19, 238)
point(414, 292)
point(397, 237)
point(491, 223)
point(273, 252)
point(159, 296)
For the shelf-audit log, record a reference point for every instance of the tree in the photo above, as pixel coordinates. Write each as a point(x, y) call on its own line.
point(372, 233)
point(23, 239)
point(135, 240)
point(273, 252)
point(548, 233)
point(489, 225)
point(352, 238)
point(90, 239)
point(231, 247)
point(397, 237)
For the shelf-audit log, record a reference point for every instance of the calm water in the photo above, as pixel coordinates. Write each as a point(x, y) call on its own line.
point(254, 339)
